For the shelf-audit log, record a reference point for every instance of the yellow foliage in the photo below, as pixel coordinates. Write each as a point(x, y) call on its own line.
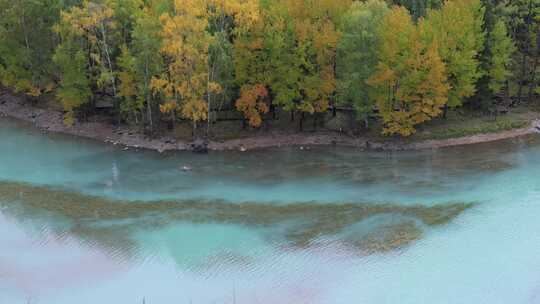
point(245, 12)
point(186, 43)
point(316, 32)
point(214, 88)
point(127, 84)
point(34, 91)
point(196, 110)
point(410, 82)
point(167, 107)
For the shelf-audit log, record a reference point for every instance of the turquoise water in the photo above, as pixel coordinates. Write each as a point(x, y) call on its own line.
point(82, 222)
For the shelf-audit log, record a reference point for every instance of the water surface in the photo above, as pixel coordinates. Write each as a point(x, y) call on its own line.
point(83, 222)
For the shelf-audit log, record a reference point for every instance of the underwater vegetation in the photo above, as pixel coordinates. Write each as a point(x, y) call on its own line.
point(109, 223)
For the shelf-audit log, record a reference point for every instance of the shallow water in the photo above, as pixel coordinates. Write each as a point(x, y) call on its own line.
point(82, 222)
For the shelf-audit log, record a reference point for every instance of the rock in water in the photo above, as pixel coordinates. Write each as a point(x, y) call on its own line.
point(199, 146)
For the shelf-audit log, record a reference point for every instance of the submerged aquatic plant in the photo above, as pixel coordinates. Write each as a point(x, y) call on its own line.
point(110, 222)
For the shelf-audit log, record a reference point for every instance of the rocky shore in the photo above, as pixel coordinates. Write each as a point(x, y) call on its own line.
point(50, 120)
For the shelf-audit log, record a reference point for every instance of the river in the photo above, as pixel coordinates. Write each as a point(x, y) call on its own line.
point(84, 222)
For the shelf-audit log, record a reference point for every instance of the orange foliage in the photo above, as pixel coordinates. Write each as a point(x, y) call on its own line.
point(252, 103)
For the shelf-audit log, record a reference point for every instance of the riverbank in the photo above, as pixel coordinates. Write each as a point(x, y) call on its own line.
point(50, 120)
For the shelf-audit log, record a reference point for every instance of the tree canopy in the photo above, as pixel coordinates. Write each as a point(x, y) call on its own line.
point(401, 63)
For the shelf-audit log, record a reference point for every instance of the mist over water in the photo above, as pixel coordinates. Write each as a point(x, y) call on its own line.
point(82, 222)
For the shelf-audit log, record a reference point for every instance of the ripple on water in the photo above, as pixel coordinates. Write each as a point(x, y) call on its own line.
point(110, 223)
point(326, 225)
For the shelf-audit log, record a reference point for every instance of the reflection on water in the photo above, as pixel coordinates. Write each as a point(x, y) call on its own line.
point(322, 174)
point(110, 222)
point(82, 222)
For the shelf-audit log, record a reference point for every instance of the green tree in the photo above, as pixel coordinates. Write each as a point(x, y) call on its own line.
point(74, 90)
point(315, 26)
point(131, 105)
point(457, 28)
point(27, 44)
point(523, 25)
point(146, 45)
point(88, 29)
point(227, 19)
point(496, 56)
point(501, 48)
point(221, 72)
point(357, 55)
point(138, 62)
point(419, 8)
point(265, 63)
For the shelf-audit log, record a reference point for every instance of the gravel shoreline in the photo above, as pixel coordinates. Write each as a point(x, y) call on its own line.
point(51, 121)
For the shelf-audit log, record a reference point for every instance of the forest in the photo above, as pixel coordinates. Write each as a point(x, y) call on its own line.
point(157, 62)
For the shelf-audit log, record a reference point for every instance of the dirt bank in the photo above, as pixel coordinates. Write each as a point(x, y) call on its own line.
point(51, 120)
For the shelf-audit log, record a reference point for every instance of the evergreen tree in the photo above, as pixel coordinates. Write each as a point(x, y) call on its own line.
point(27, 44)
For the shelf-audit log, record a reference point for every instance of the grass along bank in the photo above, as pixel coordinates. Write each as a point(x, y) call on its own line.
point(466, 123)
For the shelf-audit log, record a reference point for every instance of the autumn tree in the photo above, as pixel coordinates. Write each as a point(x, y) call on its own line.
point(357, 55)
point(197, 55)
point(186, 82)
point(317, 36)
point(410, 85)
point(264, 61)
point(457, 29)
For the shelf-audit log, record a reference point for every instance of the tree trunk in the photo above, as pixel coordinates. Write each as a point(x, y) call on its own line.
point(522, 77)
point(525, 53)
point(148, 104)
point(208, 118)
point(445, 111)
point(535, 64)
point(532, 80)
